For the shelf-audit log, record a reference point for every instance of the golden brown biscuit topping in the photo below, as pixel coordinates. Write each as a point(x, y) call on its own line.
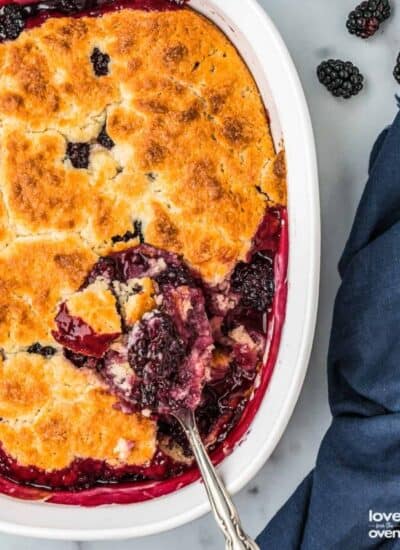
point(53, 414)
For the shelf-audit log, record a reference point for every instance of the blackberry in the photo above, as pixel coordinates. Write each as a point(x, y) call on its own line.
point(396, 70)
point(367, 17)
point(104, 139)
point(138, 233)
point(100, 62)
point(105, 267)
point(254, 282)
point(156, 351)
point(175, 276)
point(82, 361)
point(45, 351)
point(12, 21)
point(71, 6)
point(341, 78)
point(78, 154)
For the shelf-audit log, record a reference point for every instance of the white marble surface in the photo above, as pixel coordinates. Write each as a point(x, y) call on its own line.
point(313, 30)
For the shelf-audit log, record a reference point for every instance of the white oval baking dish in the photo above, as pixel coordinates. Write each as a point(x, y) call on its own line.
point(258, 41)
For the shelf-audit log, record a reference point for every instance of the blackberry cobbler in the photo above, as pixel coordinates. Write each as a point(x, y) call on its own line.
point(143, 246)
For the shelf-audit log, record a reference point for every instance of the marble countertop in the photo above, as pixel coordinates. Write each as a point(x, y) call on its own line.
point(345, 131)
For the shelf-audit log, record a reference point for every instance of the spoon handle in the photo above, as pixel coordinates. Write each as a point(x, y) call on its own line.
point(221, 503)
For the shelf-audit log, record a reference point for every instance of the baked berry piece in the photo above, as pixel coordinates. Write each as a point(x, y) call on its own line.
point(104, 139)
point(100, 62)
point(137, 233)
point(367, 17)
point(71, 6)
point(341, 78)
point(78, 154)
point(12, 21)
point(254, 282)
point(45, 351)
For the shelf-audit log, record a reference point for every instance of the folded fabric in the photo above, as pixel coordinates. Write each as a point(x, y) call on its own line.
point(351, 498)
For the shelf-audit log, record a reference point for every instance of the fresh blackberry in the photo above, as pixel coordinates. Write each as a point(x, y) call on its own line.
point(100, 62)
point(12, 21)
point(78, 154)
point(367, 17)
point(104, 139)
point(341, 78)
point(45, 351)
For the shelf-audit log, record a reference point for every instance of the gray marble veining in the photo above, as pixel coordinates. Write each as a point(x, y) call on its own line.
point(345, 131)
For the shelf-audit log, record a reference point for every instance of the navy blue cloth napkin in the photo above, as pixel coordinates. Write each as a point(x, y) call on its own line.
point(340, 505)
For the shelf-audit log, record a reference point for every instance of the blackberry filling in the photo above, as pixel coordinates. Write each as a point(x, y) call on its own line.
point(45, 351)
point(104, 139)
point(128, 236)
point(100, 62)
point(78, 154)
point(172, 352)
point(176, 276)
point(254, 282)
point(218, 386)
point(12, 21)
point(77, 336)
point(105, 268)
point(14, 17)
point(137, 224)
point(137, 233)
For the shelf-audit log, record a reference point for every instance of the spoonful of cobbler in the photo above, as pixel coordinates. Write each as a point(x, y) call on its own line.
point(140, 321)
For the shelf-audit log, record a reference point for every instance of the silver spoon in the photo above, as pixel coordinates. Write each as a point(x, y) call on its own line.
point(223, 508)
